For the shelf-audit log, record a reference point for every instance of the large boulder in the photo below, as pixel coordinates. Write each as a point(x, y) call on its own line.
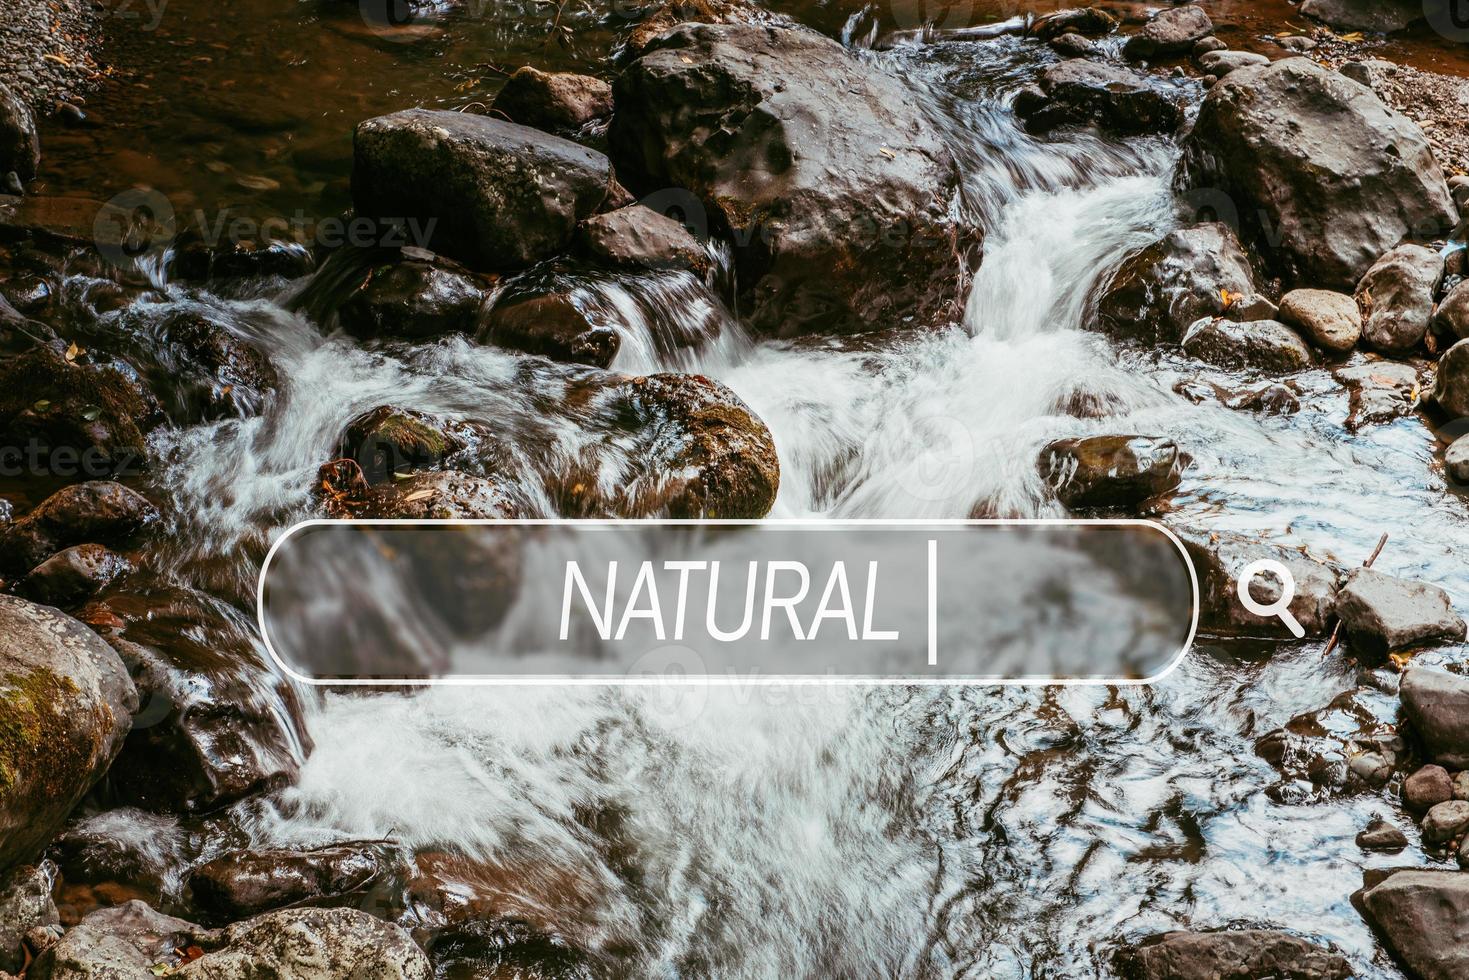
point(498, 194)
point(1110, 471)
point(553, 100)
point(1382, 16)
point(1219, 557)
point(246, 883)
point(1382, 614)
point(552, 324)
point(1262, 344)
point(1450, 391)
point(1229, 954)
point(1163, 289)
point(415, 299)
point(1080, 92)
point(20, 148)
point(1396, 298)
point(639, 237)
point(1423, 917)
point(1436, 705)
point(66, 705)
point(1323, 177)
point(833, 186)
point(132, 940)
point(73, 575)
point(98, 512)
point(1173, 30)
point(1331, 321)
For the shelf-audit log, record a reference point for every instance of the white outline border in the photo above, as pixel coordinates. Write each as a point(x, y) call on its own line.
point(774, 680)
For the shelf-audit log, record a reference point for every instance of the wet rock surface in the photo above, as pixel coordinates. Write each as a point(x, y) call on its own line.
point(73, 575)
point(345, 494)
point(830, 181)
point(1331, 321)
point(1242, 953)
point(499, 195)
point(553, 325)
point(1263, 344)
point(1396, 297)
point(25, 905)
point(1337, 176)
point(1364, 15)
point(1423, 916)
point(1079, 92)
point(100, 512)
point(1382, 836)
point(65, 707)
point(1436, 704)
point(1378, 391)
point(247, 883)
point(1111, 471)
point(639, 237)
point(1450, 390)
point(388, 441)
point(1219, 558)
point(415, 299)
point(553, 100)
point(20, 148)
point(1172, 31)
point(1382, 614)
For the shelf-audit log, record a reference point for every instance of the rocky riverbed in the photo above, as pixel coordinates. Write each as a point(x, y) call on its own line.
point(1201, 264)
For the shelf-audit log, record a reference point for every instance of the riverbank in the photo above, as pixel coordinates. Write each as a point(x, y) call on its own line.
point(48, 51)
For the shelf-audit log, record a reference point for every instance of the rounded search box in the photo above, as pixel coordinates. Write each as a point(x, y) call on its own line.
point(1280, 608)
point(764, 602)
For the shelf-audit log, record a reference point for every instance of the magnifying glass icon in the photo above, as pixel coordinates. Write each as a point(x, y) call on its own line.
point(1280, 608)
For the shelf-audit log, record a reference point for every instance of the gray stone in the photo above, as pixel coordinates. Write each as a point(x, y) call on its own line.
point(1221, 63)
point(1382, 16)
point(553, 100)
point(1445, 821)
point(1230, 954)
point(1378, 391)
point(1436, 705)
point(639, 237)
point(1423, 916)
point(1381, 835)
point(1382, 614)
point(1456, 460)
point(1452, 316)
point(1263, 344)
point(1329, 320)
point(1396, 298)
point(1323, 177)
point(500, 194)
point(1427, 787)
point(1450, 391)
point(1219, 557)
point(1079, 92)
point(1172, 31)
point(25, 904)
point(20, 148)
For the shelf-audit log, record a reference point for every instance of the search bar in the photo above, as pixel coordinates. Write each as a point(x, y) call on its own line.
point(763, 602)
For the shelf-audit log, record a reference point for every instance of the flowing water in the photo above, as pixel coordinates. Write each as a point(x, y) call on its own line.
point(811, 833)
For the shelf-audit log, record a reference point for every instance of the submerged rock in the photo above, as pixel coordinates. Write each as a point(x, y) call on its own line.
point(1160, 291)
point(553, 100)
point(1436, 705)
point(203, 370)
point(415, 299)
point(553, 325)
point(1383, 16)
point(246, 883)
point(1263, 344)
point(66, 704)
point(500, 195)
point(1229, 954)
point(1396, 298)
point(345, 494)
point(1450, 390)
point(1422, 916)
point(1172, 31)
point(1378, 391)
point(1382, 614)
point(1331, 321)
point(1323, 177)
point(96, 512)
point(20, 148)
point(1079, 92)
point(132, 940)
point(832, 184)
point(639, 237)
point(1110, 471)
point(1219, 557)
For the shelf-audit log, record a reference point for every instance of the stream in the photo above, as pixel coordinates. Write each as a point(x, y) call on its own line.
point(924, 833)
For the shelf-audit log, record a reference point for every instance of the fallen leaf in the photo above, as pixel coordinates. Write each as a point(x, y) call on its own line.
point(41, 405)
point(418, 495)
point(887, 153)
point(60, 59)
point(73, 352)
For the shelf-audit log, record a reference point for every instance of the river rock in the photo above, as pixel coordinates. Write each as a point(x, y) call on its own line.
point(20, 148)
point(72, 576)
point(201, 369)
point(1090, 21)
point(1445, 822)
point(441, 495)
point(1329, 320)
point(1460, 784)
point(1221, 63)
point(1233, 953)
point(553, 100)
point(1110, 471)
point(389, 440)
point(99, 511)
point(67, 706)
point(1381, 835)
point(1220, 555)
point(1450, 391)
point(415, 299)
point(1451, 319)
point(1263, 344)
point(1378, 391)
point(1078, 92)
point(1324, 178)
point(199, 257)
point(25, 905)
point(1456, 460)
point(1436, 705)
point(132, 940)
point(1396, 297)
point(1172, 31)
point(639, 237)
point(1382, 16)
point(1073, 46)
point(246, 883)
point(91, 413)
point(550, 324)
point(1161, 290)
point(218, 724)
point(500, 194)
point(1381, 614)
point(1422, 916)
point(832, 184)
point(1427, 787)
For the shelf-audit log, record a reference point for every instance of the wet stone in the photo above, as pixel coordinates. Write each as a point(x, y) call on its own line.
point(1381, 835)
point(1427, 787)
point(1444, 822)
point(1378, 391)
point(1110, 471)
point(1381, 614)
